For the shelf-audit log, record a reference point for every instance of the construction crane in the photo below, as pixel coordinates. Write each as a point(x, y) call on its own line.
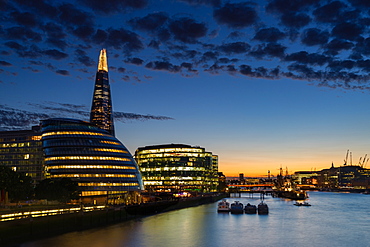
point(345, 160)
point(366, 162)
point(363, 161)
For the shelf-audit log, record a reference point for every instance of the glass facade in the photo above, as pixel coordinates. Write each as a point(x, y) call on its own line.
point(101, 113)
point(91, 156)
point(22, 151)
point(177, 168)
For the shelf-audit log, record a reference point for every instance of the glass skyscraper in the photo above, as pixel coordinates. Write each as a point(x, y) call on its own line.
point(101, 108)
point(95, 159)
point(177, 168)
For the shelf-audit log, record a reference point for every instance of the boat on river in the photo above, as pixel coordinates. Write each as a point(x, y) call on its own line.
point(223, 206)
point(263, 208)
point(285, 187)
point(250, 209)
point(306, 204)
point(237, 208)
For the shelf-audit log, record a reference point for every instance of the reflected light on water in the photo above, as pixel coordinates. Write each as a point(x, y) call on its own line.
point(333, 220)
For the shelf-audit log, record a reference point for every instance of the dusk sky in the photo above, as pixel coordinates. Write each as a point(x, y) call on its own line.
point(262, 84)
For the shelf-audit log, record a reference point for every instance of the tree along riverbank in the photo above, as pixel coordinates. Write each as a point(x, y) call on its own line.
point(24, 230)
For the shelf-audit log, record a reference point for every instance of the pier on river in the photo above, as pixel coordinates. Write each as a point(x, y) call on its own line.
point(250, 189)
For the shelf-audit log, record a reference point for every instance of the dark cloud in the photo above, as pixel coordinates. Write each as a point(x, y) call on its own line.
point(186, 54)
point(5, 63)
point(360, 3)
point(151, 22)
point(62, 72)
point(41, 7)
point(114, 6)
point(57, 43)
point(24, 19)
point(154, 44)
point(55, 35)
point(314, 36)
point(259, 72)
point(121, 70)
point(234, 48)
point(213, 3)
point(163, 65)
point(71, 16)
point(187, 30)
point(235, 35)
point(123, 117)
point(134, 60)
point(364, 65)
point(83, 58)
point(338, 65)
point(55, 54)
point(22, 34)
point(329, 12)
point(236, 15)
point(332, 79)
point(209, 56)
point(23, 51)
point(346, 30)
point(15, 45)
point(285, 6)
point(84, 32)
point(100, 36)
point(14, 119)
point(295, 19)
point(215, 69)
point(336, 45)
point(363, 47)
point(227, 60)
point(5, 53)
point(271, 34)
point(270, 49)
point(308, 58)
point(122, 39)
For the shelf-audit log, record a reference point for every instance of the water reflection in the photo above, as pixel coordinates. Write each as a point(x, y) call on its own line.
point(332, 220)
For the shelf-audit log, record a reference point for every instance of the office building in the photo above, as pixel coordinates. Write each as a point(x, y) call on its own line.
point(95, 159)
point(22, 151)
point(101, 108)
point(177, 168)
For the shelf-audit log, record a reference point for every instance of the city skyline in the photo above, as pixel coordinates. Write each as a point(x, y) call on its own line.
point(278, 87)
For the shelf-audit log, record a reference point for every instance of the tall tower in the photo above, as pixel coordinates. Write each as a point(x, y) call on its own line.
point(101, 113)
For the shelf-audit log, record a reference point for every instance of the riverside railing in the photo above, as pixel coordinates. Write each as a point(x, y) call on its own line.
point(40, 213)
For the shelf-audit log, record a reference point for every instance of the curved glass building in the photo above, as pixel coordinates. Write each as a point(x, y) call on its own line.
point(177, 168)
point(97, 160)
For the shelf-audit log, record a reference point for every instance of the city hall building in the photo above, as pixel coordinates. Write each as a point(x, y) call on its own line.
point(177, 168)
point(89, 155)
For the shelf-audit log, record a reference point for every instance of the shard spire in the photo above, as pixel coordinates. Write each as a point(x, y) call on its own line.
point(101, 109)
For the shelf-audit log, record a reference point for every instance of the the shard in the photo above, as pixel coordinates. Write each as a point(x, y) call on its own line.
point(101, 113)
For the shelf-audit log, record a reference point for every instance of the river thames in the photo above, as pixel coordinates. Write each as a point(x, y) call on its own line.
point(334, 219)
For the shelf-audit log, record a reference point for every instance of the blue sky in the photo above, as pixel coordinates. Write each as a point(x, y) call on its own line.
point(263, 84)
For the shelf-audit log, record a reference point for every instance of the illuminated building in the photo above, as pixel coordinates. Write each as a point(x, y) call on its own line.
point(101, 113)
point(22, 151)
point(177, 168)
point(91, 156)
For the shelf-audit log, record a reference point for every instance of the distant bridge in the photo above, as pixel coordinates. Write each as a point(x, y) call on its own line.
point(262, 189)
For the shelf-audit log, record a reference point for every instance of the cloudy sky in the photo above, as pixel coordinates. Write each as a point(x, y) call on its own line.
point(263, 84)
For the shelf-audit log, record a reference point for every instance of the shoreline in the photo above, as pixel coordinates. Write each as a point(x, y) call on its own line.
point(16, 232)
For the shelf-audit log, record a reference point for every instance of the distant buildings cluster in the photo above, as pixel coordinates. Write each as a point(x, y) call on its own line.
point(345, 177)
point(335, 178)
point(89, 154)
